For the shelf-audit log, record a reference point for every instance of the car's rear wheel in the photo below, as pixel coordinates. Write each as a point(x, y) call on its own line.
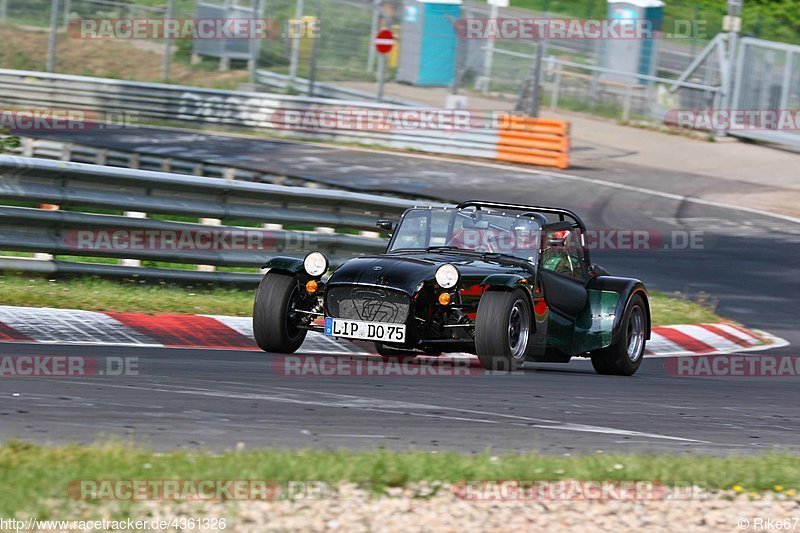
point(275, 320)
point(624, 357)
point(502, 329)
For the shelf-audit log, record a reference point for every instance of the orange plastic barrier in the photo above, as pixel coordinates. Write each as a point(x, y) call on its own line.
point(537, 141)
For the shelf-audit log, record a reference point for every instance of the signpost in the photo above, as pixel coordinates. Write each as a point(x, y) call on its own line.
point(489, 50)
point(384, 42)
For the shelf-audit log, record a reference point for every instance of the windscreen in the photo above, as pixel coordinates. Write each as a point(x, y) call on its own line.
point(468, 230)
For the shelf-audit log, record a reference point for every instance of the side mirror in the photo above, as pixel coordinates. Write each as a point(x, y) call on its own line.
point(385, 225)
point(596, 270)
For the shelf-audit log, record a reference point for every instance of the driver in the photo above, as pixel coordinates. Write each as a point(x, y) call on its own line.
point(555, 257)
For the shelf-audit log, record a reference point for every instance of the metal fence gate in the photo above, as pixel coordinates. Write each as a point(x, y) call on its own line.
point(768, 78)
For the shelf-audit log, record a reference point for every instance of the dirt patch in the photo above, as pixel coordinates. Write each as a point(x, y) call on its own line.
point(26, 49)
point(417, 509)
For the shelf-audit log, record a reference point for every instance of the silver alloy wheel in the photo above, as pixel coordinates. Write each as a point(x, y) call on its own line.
point(518, 329)
point(635, 334)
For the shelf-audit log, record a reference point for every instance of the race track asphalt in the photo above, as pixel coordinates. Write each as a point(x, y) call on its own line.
point(747, 263)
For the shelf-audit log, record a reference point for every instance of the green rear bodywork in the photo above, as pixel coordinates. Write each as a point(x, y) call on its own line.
point(593, 328)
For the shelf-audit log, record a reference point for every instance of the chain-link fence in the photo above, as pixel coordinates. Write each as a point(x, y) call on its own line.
point(342, 47)
point(331, 41)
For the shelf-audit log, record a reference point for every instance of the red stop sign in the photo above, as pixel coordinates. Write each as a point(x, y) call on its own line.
point(384, 41)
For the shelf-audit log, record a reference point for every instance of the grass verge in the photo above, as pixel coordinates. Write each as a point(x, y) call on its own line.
point(40, 475)
point(94, 294)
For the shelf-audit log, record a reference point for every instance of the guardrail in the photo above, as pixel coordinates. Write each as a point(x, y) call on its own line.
point(77, 153)
point(284, 82)
point(67, 222)
point(257, 111)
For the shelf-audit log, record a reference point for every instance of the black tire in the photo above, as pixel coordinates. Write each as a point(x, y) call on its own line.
point(624, 357)
point(393, 354)
point(496, 344)
point(273, 326)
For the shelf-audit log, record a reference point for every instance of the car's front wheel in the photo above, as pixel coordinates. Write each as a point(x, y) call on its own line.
point(275, 320)
point(624, 357)
point(502, 329)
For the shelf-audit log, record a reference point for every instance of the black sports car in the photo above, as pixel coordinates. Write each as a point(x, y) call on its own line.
point(510, 283)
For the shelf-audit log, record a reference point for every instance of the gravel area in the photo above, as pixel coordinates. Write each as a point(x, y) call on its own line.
point(414, 509)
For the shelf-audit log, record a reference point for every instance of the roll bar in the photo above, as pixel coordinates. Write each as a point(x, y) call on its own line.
point(563, 214)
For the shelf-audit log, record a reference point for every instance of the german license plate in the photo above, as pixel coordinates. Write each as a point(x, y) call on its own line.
point(372, 331)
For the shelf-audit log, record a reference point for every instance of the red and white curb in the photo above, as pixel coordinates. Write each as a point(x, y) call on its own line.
point(68, 326)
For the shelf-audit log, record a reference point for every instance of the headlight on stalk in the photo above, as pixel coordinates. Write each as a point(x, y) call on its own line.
point(447, 276)
point(316, 264)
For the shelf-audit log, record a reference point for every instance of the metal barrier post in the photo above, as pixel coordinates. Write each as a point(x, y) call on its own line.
point(44, 256)
point(298, 15)
point(53, 41)
point(626, 106)
point(556, 88)
point(209, 222)
point(67, 9)
point(126, 261)
point(168, 43)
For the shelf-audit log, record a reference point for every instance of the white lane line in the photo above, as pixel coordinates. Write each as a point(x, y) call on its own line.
point(572, 177)
point(564, 426)
point(500, 166)
point(345, 435)
point(389, 406)
point(561, 425)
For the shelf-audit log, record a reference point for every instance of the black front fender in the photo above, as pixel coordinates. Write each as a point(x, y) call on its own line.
point(509, 282)
point(290, 265)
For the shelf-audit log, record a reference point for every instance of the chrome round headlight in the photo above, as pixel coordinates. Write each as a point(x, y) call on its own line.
point(447, 276)
point(316, 264)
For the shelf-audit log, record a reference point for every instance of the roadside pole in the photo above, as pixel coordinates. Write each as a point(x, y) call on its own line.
point(536, 88)
point(488, 57)
point(381, 76)
point(312, 75)
point(255, 44)
point(376, 20)
point(53, 42)
point(3, 10)
point(296, 36)
point(384, 42)
point(67, 9)
point(167, 43)
point(536, 97)
point(732, 23)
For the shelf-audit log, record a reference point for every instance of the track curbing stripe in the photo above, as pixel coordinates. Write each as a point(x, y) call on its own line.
point(66, 326)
